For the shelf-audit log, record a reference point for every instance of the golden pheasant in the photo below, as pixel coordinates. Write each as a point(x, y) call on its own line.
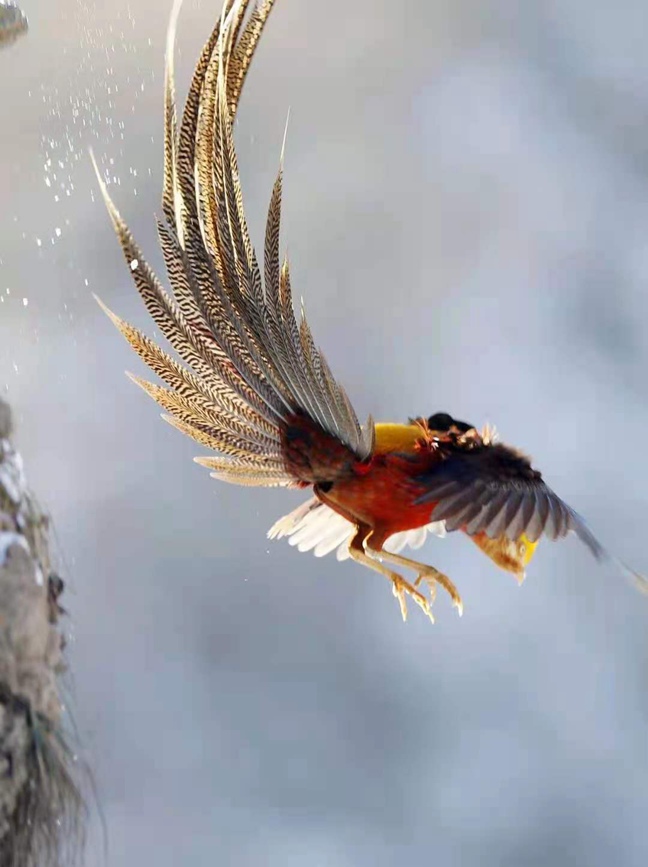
point(253, 386)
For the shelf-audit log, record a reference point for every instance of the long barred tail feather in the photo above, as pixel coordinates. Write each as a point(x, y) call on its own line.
point(249, 366)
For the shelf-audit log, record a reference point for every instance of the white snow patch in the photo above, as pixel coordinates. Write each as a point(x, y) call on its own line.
point(7, 540)
point(12, 474)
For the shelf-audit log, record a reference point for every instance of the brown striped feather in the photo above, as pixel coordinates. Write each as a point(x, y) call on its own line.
point(250, 366)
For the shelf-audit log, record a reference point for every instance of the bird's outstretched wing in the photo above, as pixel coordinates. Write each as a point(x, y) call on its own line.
point(253, 386)
point(313, 526)
point(493, 489)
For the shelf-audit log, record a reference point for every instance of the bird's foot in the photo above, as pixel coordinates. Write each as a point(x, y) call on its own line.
point(401, 588)
point(432, 578)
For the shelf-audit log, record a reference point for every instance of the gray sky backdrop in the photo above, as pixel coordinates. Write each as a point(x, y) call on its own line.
point(466, 212)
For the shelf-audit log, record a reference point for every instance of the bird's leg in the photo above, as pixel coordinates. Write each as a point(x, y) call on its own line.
point(429, 574)
point(358, 553)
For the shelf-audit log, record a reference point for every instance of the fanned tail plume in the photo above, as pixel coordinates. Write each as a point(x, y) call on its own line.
point(247, 366)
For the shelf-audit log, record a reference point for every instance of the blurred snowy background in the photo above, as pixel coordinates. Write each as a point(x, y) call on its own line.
point(466, 211)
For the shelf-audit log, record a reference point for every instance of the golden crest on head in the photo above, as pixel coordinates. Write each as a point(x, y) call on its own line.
point(396, 437)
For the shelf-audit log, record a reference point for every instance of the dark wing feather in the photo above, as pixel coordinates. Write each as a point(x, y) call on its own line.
point(493, 489)
point(250, 370)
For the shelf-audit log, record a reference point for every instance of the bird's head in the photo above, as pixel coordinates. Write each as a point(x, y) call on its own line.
point(442, 422)
point(443, 426)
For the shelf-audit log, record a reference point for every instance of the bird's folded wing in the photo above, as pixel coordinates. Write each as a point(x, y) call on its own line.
point(315, 527)
point(249, 368)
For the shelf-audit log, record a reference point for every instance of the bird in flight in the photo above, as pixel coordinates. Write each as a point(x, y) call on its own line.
point(252, 385)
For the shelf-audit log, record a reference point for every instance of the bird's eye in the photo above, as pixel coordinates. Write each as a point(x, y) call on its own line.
point(522, 548)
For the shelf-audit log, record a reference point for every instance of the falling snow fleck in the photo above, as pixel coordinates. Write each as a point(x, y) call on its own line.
point(134, 264)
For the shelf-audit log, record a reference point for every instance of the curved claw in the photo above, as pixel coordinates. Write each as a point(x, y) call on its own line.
point(400, 587)
point(433, 578)
point(399, 593)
